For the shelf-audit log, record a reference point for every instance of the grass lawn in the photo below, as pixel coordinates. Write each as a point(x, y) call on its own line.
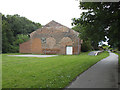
point(50, 72)
point(119, 58)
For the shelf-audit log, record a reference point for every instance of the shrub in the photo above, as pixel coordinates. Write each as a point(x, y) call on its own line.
point(86, 46)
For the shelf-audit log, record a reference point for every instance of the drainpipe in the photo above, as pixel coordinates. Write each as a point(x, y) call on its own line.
point(45, 48)
point(78, 45)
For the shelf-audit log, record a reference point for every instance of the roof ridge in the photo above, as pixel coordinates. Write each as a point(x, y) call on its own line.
point(53, 23)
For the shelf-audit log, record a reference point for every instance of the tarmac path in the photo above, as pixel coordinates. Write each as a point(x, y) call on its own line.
point(103, 74)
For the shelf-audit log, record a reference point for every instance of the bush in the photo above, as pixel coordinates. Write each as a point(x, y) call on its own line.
point(86, 46)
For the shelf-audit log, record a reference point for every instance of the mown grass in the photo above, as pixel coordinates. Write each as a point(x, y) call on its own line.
point(118, 57)
point(51, 72)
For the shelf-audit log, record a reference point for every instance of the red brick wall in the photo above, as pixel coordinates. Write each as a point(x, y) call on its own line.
point(50, 51)
point(75, 50)
point(36, 46)
point(25, 47)
point(57, 38)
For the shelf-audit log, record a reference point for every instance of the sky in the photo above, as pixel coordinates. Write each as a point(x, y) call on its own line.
point(43, 11)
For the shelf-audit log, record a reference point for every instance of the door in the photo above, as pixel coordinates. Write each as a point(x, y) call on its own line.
point(69, 50)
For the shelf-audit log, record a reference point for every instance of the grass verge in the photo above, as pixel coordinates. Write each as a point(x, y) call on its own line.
point(51, 72)
point(118, 57)
point(118, 69)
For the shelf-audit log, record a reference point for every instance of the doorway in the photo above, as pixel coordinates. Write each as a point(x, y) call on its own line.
point(69, 50)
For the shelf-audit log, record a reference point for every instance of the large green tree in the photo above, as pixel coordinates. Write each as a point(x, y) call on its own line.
point(15, 30)
point(101, 19)
point(21, 25)
point(7, 37)
point(86, 45)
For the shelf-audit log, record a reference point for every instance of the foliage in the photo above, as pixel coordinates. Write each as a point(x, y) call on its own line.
point(15, 30)
point(7, 37)
point(86, 46)
point(101, 19)
point(20, 38)
point(118, 53)
point(51, 72)
point(119, 57)
point(105, 47)
point(82, 33)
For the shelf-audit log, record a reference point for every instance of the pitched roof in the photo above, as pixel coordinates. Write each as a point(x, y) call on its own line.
point(53, 24)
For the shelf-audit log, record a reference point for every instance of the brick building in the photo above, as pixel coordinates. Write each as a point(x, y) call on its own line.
point(53, 38)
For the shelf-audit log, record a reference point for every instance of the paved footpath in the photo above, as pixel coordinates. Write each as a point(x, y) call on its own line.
point(103, 74)
point(33, 55)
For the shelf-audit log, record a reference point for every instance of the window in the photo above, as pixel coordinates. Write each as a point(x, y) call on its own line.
point(43, 40)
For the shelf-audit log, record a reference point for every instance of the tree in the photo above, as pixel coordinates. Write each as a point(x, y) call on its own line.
point(86, 45)
point(105, 47)
point(21, 25)
point(20, 38)
point(15, 30)
point(7, 37)
point(101, 19)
